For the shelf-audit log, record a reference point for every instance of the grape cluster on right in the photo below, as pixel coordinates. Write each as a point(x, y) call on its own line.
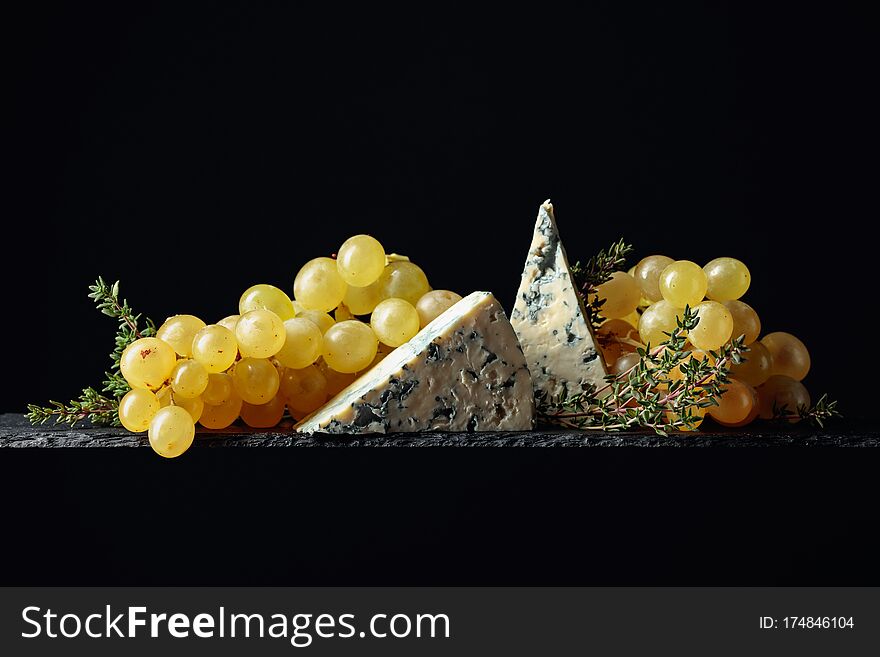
point(643, 305)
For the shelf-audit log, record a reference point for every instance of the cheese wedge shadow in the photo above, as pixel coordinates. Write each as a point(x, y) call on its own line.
point(465, 371)
point(550, 320)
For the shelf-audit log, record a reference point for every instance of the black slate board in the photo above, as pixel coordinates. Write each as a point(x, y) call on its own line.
point(15, 431)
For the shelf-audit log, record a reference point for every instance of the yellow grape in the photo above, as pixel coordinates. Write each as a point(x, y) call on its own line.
point(318, 285)
point(263, 416)
point(698, 414)
point(178, 331)
point(394, 321)
point(714, 327)
point(658, 318)
point(137, 408)
point(220, 416)
point(362, 300)
point(745, 320)
point(320, 319)
point(615, 336)
point(305, 389)
point(147, 363)
point(678, 374)
point(433, 304)
point(360, 260)
point(255, 380)
point(342, 313)
point(403, 280)
point(735, 404)
point(336, 381)
point(260, 334)
point(683, 283)
point(189, 379)
point(266, 297)
point(171, 431)
point(633, 318)
point(625, 363)
point(621, 294)
point(219, 388)
point(727, 279)
point(788, 355)
point(230, 322)
point(215, 348)
point(647, 276)
point(194, 405)
point(302, 345)
point(756, 365)
point(349, 346)
point(782, 391)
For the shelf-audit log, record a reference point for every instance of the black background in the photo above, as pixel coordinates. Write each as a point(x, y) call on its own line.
point(193, 151)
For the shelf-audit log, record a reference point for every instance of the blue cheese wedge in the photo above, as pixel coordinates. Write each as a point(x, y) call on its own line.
point(465, 371)
point(549, 317)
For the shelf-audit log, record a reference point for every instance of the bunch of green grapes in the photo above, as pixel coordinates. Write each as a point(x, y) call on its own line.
point(642, 307)
point(277, 355)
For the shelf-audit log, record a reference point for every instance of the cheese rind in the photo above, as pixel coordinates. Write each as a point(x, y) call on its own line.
point(465, 371)
point(550, 320)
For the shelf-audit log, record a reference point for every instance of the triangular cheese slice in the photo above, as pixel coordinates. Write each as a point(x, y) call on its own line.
point(549, 317)
point(465, 371)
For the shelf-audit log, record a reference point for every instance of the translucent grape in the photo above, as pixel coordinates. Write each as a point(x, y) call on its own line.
point(658, 318)
point(302, 345)
point(735, 404)
point(621, 294)
point(360, 260)
point(255, 380)
point(683, 283)
point(194, 406)
point(171, 432)
point(336, 381)
point(783, 391)
point(219, 389)
point(679, 374)
point(756, 365)
point(147, 363)
point(745, 320)
point(342, 313)
point(788, 355)
point(220, 416)
point(320, 319)
point(263, 416)
point(727, 279)
point(178, 331)
point(647, 276)
point(349, 346)
point(215, 348)
point(714, 327)
point(260, 334)
point(189, 379)
point(305, 389)
point(266, 297)
point(137, 409)
point(625, 363)
point(394, 321)
point(698, 414)
point(318, 285)
point(230, 322)
point(404, 280)
point(362, 300)
point(432, 304)
point(615, 336)
point(633, 318)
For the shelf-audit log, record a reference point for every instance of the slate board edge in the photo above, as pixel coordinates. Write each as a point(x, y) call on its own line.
point(15, 432)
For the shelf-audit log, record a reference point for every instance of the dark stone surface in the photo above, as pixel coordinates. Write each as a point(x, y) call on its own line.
point(15, 431)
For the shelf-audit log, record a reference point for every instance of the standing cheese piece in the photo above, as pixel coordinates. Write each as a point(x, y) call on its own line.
point(465, 371)
point(550, 320)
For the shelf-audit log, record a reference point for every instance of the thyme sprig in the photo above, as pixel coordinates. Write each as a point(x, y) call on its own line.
point(822, 410)
point(666, 390)
point(596, 271)
point(100, 407)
